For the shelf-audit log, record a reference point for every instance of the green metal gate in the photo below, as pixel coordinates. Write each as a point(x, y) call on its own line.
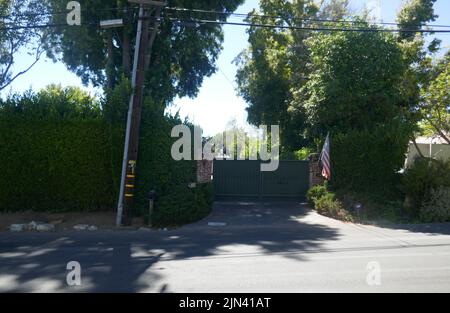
point(244, 179)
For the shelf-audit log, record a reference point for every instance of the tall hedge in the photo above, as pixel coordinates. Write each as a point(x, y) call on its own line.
point(61, 150)
point(156, 167)
point(54, 153)
point(369, 160)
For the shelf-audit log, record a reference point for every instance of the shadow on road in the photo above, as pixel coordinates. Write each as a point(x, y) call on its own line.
point(124, 261)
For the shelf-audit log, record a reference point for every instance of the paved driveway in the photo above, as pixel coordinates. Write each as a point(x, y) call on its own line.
point(240, 247)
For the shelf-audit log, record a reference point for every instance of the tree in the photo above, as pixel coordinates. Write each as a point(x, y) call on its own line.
point(354, 92)
point(183, 53)
point(435, 107)
point(354, 83)
point(274, 67)
point(16, 36)
point(413, 16)
point(53, 102)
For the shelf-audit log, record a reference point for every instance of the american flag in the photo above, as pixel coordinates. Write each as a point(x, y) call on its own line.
point(325, 159)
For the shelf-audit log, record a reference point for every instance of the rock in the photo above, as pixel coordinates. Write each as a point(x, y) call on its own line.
point(216, 224)
point(85, 227)
point(18, 227)
point(41, 227)
point(32, 225)
point(45, 227)
point(92, 228)
point(81, 227)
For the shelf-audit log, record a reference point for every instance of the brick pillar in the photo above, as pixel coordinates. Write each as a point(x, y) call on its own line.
point(315, 171)
point(204, 171)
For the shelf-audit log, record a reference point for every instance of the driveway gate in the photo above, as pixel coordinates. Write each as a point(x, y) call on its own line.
point(244, 179)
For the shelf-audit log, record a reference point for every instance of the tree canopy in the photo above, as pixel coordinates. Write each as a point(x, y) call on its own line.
point(274, 67)
point(435, 107)
point(15, 16)
point(354, 83)
point(182, 54)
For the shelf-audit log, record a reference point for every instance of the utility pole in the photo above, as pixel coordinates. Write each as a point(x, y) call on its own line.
point(143, 47)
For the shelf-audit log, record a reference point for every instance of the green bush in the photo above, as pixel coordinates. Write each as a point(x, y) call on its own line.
point(183, 205)
point(315, 193)
point(369, 160)
point(156, 167)
point(369, 206)
point(424, 176)
point(326, 203)
point(299, 155)
point(437, 208)
point(60, 152)
point(55, 153)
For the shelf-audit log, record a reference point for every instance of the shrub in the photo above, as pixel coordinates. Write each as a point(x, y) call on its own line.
point(156, 168)
point(182, 205)
point(326, 203)
point(176, 204)
point(368, 206)
point(55, 153)
point(368, 160)
point(437, 208)
point(424, 176)
point(315, 193)
point(61, 152)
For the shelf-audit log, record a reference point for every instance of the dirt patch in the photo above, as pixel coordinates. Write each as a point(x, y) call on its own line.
point(66, 221)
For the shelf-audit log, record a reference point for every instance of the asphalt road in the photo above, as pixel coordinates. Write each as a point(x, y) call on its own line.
point(264, 247)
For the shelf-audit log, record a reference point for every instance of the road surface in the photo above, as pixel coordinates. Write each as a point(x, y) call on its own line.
point(250, 247)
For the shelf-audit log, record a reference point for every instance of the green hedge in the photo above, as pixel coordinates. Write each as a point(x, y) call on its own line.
point(182, 205)
point(60, 152)
point(369, 160)
point(421, 184)
point(156, 168)
point(55, 165)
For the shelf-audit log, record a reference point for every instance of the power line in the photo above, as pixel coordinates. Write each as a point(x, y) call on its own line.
point(47, 26)
point(245, 24)
point(227, 13)
point(61, 12)
point(307, 28)
point(297, 18)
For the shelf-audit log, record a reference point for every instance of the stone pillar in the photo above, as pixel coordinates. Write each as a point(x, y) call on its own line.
point(204, 171)
point(315, 171)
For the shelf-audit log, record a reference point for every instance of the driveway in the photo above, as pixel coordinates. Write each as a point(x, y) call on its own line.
point(240, 247)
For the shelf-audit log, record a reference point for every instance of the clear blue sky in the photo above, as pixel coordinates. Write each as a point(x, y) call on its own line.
point(217, 102)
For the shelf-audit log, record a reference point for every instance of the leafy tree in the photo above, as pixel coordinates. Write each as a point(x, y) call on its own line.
point(15, 35)
point(435, 107)
point(336, 9)
point(274, 67)
point(354, 92)
point(413, 16)
point(53, 101)
point(183, 53)
point(354, 83)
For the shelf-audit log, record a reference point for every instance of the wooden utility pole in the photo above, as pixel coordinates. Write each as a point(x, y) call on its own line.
point(143, 47)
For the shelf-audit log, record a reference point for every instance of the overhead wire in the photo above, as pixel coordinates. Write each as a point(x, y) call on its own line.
point(366, 26)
